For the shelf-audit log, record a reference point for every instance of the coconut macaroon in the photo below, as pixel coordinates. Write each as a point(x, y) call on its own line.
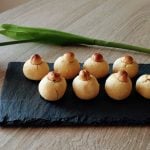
point(143, 85)
point(128, 64)
point(118, 85)
point(85, 85)
point(52, 87)
point(35, 68)
point(67, 65)
point(96, 65)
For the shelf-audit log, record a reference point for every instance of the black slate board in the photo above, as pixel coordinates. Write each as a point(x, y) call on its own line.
point(21, 105)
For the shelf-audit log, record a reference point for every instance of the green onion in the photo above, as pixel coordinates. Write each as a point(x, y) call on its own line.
point(16, 42)
point(31, 34)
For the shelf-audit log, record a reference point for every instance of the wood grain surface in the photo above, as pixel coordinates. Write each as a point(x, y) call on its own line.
point(117, 20)
point(8, 4)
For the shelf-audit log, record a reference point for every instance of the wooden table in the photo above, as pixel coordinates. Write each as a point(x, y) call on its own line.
point(119, 20)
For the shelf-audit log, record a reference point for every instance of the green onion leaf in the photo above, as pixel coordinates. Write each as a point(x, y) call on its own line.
point(42, 35)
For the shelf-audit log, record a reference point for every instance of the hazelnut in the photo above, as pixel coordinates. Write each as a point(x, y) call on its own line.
point(97, 57)
point(36, 59)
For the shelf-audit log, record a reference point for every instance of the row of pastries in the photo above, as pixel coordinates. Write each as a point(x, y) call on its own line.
point(85, 85)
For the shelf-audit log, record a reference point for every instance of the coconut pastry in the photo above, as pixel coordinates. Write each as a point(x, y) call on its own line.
point(85, 85)
point(35, 68)
point(143, 86)
point(118, 85)
point(52, 87)
point(96, 65)
point(128, 64)
point(67, 65)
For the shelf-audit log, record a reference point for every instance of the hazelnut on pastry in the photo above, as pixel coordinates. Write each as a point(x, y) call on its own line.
point(67, 65)
point(128, 64)
point(143, 86)
point(118, 85)
point(85, 85)
point(96, 65)
point(52, 87)
point(35, 68)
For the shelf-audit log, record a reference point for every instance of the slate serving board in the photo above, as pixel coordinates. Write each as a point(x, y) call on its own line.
point(21, 105)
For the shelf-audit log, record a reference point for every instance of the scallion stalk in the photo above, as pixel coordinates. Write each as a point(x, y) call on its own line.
point(31, 34)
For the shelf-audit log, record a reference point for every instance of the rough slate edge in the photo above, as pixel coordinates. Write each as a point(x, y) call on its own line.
point(63, 122)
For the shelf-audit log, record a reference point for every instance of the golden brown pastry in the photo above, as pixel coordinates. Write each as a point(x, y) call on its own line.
point(118, 85)
point(85, 85)
point(35, 68)
point(128, 64)
point(96, 65)
point(52, 87)
point(67, 65)
point(143, 85)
